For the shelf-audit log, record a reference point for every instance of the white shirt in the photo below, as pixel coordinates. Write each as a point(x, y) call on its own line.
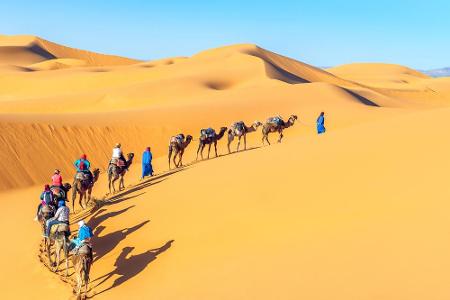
point(117, 153)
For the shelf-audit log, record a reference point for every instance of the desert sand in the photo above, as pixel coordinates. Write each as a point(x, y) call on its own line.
point(357, 213)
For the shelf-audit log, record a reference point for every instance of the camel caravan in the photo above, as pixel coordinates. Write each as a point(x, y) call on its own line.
point(53, 213)
point(238, 130)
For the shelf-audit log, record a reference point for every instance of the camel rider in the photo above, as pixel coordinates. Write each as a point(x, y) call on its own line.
point(46, 199)
point(61, 216)
point(82, 165)
point(117, 156)
point(84, 237)
point(57, 179)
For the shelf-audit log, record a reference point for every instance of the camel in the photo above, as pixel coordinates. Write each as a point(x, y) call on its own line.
point(239, 129)
point(272, 125)
point(210, 139)
point(59, 238)
point(177, 146)
point(82, 261)
point(114, 172)
point(81, 186)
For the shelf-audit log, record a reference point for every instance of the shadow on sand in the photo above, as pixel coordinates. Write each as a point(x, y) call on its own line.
point(107, 243)
point(127, 268)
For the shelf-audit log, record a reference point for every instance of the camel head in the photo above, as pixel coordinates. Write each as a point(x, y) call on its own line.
point(256, 124)
point(292, 119)
point(188, 138)
point(222, 130)
point(96, 174)
point(130, 157)
point(67, 186)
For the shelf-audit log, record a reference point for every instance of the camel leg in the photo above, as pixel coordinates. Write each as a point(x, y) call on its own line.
point(281, 136)
point(121, 183)
point(112, 184)
point(209, 149)
point(198, 150)
point(66, 255)
point(180, 162)
point(74, 196)
point(266, 138)
point(57, 254)
point(170, 154)
point(174, 158)
point(245, 141)
point(89, 196)
point(239, 143)
point(215, 147)
point(230, 139)
point(81, 200)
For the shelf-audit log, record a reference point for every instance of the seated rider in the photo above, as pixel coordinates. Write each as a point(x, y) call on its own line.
point(46, 199)
point(57, 179)
point(117, 154)
point(84, 237)
point(82, 165)
point(61, 216)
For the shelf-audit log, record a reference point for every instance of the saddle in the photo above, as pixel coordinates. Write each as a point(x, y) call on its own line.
point(278, 121)
point(58, 192)
point(47, 211)
point(207, 133)
point(60, 228)
point(118, 162)
point(239, 126)
point(82, 176)
point(84, 249)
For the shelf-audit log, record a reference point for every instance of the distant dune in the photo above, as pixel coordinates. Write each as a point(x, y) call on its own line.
point(25, 50)
point(444, 72)
point(357, 213)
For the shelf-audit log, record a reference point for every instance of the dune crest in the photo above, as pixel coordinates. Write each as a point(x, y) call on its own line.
point(24, 50)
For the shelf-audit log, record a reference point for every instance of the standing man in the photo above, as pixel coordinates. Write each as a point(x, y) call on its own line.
point(147, 169)
point(321, 123)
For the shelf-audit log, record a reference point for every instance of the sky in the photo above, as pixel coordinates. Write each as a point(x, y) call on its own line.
point(318, 32)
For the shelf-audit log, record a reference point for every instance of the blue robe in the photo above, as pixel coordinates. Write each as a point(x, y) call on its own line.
point(320, 124)
point(147, 169)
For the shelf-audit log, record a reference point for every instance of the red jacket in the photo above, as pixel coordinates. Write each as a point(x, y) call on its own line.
point(57, 180)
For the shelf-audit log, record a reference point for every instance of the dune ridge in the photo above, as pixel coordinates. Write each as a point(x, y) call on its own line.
point(26, 50)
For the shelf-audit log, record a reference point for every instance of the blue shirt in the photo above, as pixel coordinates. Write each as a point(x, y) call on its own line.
point(87, 165)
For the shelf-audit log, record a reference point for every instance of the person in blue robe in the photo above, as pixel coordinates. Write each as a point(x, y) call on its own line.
point(147, 169)
point(321, 123)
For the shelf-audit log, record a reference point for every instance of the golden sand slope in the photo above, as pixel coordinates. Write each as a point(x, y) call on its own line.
point(336, 211)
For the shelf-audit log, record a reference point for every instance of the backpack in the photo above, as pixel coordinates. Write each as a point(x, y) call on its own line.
point(47, 197)
point(82, 165)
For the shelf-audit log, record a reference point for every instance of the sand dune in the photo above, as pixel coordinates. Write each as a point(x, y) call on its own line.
point(357, 213)
point(24, 50)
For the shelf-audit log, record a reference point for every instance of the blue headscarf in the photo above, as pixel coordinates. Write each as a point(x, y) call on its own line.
point(61, 203)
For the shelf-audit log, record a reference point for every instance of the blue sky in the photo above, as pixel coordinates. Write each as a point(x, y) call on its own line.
point(322, 33)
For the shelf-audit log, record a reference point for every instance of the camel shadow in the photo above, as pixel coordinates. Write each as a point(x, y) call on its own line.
point(127, 268)
point(144, 184)
point(107, 243)
point(98, 217)
point(222, 155)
